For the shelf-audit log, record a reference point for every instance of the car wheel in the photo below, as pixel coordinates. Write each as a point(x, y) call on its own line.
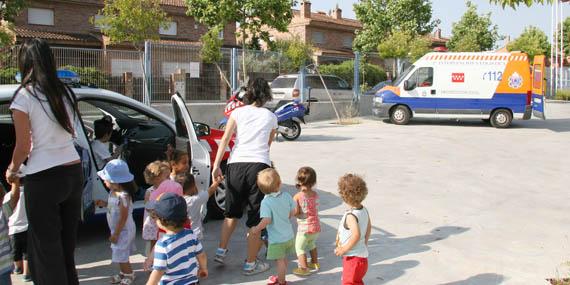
point(501, 118)
point(217, 202)
point(401, 115)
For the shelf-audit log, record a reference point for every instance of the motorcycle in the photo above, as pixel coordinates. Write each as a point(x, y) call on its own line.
point(290, 115)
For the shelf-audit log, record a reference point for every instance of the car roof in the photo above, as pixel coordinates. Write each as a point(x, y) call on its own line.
point(86, 93)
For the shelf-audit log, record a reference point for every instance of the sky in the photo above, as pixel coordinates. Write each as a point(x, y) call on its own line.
point(511, 22)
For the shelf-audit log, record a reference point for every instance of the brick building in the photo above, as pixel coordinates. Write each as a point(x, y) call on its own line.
point(68, 23)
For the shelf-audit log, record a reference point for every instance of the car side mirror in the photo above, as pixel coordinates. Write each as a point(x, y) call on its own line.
point(202, 129)
point(409, 86)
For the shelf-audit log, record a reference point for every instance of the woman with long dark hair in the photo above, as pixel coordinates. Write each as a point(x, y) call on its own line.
point(44, 111)
point(255, 127)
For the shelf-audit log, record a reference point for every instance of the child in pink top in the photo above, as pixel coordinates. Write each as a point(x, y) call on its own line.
point(309, 226)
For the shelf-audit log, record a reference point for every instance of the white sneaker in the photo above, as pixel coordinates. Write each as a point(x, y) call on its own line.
point(257, 267)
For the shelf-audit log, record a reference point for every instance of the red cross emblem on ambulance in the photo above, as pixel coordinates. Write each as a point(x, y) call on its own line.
point(457, 77)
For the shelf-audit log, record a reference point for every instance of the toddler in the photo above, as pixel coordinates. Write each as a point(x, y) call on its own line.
point(103, 129)
point(179, 164)
point(18, 229)
point(309, 226)
point(353, 230)
point(179, 257)
point(119, 180)
point(196, 199)
point(154, 174)
point(276, 209)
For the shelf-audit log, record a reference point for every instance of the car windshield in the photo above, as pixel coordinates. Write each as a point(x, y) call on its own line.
point(403, 75)
point(284, 82)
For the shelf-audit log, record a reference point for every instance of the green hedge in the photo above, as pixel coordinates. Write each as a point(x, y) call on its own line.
point(89, 75)
point(370, 74)
point(8, 75)
point(563, 95)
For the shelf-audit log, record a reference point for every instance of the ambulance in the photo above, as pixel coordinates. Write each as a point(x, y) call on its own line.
point(494, 87)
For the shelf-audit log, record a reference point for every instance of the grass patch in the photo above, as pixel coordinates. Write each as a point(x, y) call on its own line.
point(562, 95)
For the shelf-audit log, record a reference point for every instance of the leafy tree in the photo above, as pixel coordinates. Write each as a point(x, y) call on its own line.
point(566, 40)
point(419, 46)
point(345, 70)
point(254, 17)
point(133, 21)
point(473, 32)
point(8, 10)
point(403, 45)
point(515, 3)
point(211, 50)
point(532, 41)
point(380, 18)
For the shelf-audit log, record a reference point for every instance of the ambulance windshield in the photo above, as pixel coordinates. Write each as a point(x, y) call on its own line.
point(403, 75)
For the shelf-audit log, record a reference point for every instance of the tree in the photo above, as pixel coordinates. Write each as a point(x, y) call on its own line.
point(515, 3)
point(133, 21)
point(8, 10)
point(473, 32)
point(254, 17)
point(532, 41)
point(380, 18)
point(403, 45)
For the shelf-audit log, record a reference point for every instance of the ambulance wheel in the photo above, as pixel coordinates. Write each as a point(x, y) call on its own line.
point(401, 115)
point(501, 118)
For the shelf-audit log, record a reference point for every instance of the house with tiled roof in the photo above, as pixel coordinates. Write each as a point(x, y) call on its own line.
point(68, 23)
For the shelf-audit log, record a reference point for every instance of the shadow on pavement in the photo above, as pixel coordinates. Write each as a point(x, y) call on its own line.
point(480, 279)
point(317, 138)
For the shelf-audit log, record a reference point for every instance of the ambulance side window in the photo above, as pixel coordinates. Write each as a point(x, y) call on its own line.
point(422, 77)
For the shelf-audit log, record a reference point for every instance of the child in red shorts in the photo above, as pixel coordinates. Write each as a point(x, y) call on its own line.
point(353, 230)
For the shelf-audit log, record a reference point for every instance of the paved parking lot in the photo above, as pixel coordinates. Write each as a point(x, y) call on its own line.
point(451, 203)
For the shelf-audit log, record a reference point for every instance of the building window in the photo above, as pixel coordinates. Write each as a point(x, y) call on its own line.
point(96, 20)
point(221, 35)
point(347, 42)
point(318, 37)
point(37, 16)
point(170, 30)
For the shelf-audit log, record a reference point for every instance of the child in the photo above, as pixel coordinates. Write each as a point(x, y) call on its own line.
point(179, 163)
point(6, 265)
point(309, 226)
point(195, 200)
point(119, 180)
point(154, 174)
point(353, 230)
point(276, 209)
point(18, 229)
point(179, 257)
point(100, 145)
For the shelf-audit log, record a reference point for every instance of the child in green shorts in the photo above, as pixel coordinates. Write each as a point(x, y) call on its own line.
point(276, 210)
point(309, 226)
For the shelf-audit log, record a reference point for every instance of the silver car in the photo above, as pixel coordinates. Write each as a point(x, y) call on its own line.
point(286, 88)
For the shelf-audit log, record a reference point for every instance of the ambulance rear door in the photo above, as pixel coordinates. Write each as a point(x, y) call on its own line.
point(538, 87)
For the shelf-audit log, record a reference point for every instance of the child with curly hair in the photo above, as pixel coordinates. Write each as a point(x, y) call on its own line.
point(354, 230)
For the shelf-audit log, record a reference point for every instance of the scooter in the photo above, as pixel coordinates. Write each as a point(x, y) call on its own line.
point(290, 115)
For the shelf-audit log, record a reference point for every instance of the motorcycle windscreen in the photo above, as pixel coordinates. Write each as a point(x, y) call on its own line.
point(538, 87)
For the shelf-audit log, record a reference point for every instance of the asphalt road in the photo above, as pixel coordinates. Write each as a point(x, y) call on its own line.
point(451, 203)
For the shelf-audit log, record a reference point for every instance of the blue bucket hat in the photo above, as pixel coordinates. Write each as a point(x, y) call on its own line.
point(116, 171)
point(169, 206)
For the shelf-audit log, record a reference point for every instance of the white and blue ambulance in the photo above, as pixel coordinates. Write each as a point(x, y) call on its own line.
point(497, 87)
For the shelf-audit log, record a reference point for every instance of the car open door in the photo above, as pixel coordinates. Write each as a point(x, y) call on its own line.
point(90, 178)
point(538, 87)
point(199, 156)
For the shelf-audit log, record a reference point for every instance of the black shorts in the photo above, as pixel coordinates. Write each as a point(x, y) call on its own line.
point(20, 246)
point(242, 191)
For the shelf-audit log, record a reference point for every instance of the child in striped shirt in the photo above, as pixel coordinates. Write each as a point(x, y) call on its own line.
point(178, 255)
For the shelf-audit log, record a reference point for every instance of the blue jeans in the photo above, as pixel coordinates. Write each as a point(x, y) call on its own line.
point(5, 278)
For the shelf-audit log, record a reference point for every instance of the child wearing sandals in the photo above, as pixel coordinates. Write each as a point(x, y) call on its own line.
point(276, 209)
point(309, 226)
point(120, 181)
point(353, 230)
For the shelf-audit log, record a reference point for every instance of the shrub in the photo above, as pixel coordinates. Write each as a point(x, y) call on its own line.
point(370, 74)
point(89, 75)
point(563, 95)
point(8, 75)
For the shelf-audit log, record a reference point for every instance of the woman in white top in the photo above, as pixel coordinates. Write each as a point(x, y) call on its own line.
point(255, 128)
point(44, 111)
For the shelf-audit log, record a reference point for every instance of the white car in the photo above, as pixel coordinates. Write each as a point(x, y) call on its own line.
point(144, 134)
point(286, 88)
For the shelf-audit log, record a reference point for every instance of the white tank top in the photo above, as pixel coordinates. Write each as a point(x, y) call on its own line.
point(51, 144)
point(360, 249)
